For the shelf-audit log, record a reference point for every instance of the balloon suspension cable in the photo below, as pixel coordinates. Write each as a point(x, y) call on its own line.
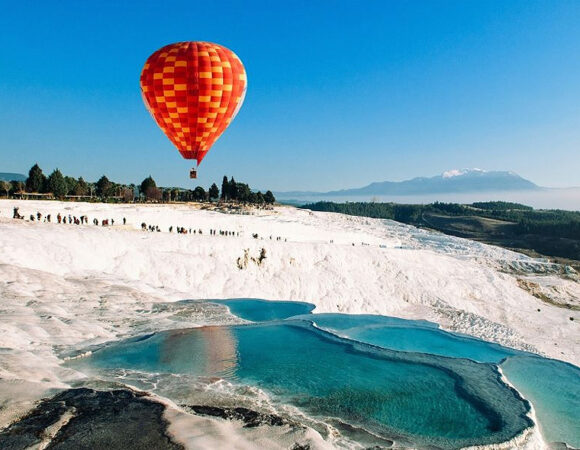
point(193, 171)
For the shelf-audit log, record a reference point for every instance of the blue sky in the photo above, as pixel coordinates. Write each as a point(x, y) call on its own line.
point(340, 93)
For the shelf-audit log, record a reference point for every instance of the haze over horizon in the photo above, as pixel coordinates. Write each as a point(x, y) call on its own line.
point(338, 95)
point(449, 174)
point(453, 186)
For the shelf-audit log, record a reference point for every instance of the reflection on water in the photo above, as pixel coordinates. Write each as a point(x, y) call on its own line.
point(421, 398)
point(215, 353)
point(414, 383)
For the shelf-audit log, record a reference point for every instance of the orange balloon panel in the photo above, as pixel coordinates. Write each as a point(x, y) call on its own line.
point(193, 90)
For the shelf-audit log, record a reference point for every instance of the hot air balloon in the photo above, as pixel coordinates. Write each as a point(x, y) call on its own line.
point(193, 90)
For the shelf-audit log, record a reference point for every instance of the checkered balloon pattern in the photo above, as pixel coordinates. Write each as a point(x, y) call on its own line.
point(193, 90)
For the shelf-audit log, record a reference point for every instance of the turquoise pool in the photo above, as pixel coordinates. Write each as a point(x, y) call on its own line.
point(406, 381)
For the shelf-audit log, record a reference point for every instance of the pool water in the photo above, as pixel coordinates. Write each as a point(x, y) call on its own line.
point(553, 387)
point(264, 310)
point(411, 336)
point(402, 380)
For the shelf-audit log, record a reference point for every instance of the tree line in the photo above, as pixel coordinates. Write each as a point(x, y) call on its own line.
point(550, 222)
point(61, 186)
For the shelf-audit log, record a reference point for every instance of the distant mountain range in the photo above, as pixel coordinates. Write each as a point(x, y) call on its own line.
point(7, 176)
point(452, 181)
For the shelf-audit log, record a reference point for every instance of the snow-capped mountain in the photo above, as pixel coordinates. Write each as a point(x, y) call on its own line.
point(451, 181)
point(460, 172)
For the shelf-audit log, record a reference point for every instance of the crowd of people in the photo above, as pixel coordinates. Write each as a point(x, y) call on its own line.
point(84, 220)
point(64, 218)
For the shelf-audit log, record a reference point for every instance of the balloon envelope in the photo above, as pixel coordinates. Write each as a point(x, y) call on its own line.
point(193, 90)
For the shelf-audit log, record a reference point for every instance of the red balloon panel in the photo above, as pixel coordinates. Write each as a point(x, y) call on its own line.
point(193, 90)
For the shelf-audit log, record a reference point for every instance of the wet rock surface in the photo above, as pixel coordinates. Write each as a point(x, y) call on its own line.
point(249, 417)
point(87, 418)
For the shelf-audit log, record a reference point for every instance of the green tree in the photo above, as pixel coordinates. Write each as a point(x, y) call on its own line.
point(269, 197)
point(147, 184)
point(199, 194)
point(232, 189)
point(57, 184)
point(149, 189)
point(407, 213)
point(103, 186)
point(175, 194)
point(186, 195)
point(214, 192)
point(5, 186)
point(225, 188)
point(243, 192)
point(17, 186)
point(36, 179)
point(81, 188)
point(71, 185)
